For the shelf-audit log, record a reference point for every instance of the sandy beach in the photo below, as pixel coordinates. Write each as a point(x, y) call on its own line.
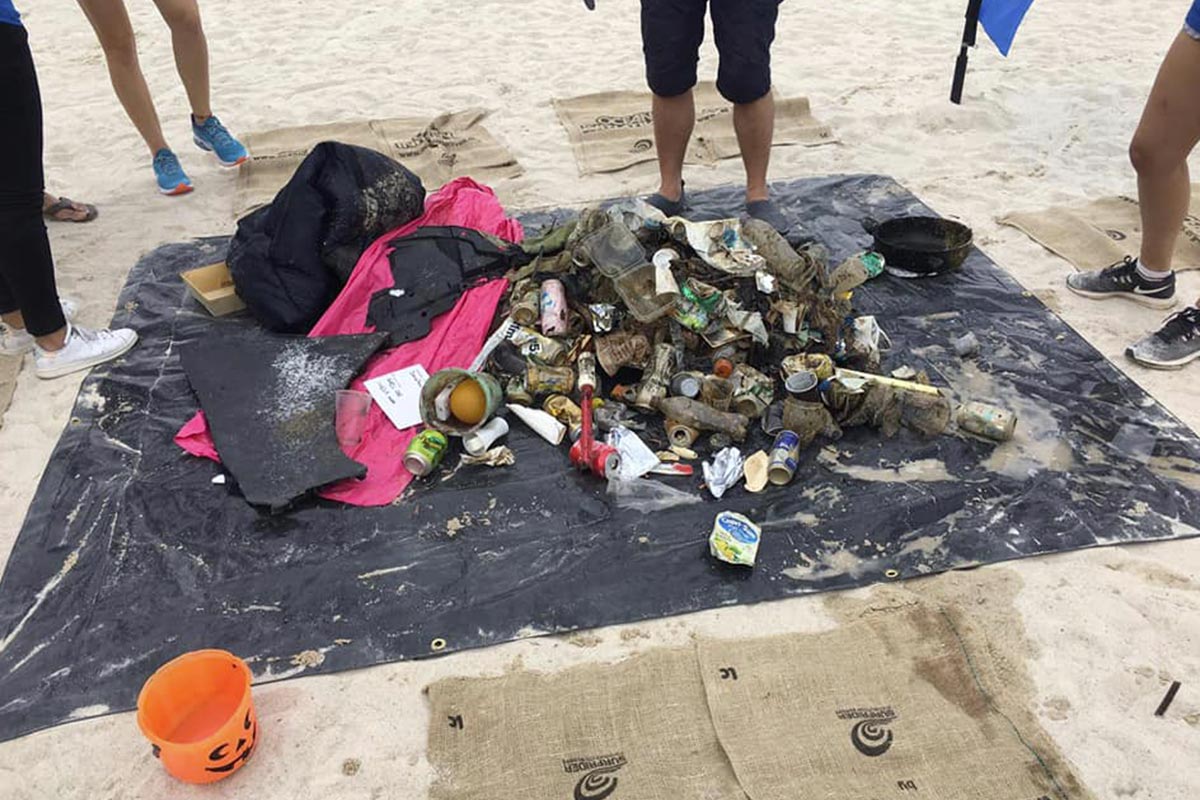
point(1102, 632)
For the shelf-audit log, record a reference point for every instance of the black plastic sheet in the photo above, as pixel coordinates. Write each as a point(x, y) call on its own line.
point(130, 555)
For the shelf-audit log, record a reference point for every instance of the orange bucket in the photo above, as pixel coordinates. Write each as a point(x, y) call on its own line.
point(197, 712)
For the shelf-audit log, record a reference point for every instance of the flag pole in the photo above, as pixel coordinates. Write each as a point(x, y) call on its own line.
point(968, 41)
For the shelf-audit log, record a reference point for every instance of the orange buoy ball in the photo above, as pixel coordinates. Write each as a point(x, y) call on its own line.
point(468, 403)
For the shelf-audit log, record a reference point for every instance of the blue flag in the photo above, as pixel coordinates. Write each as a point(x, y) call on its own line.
point(1001, 18)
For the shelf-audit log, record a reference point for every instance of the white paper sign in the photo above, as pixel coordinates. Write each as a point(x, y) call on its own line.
point(399, 395)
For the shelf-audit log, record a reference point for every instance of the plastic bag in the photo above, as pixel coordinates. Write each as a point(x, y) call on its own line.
point(648, 496)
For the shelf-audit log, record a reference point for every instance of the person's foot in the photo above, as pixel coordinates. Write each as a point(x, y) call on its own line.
point(1123, 280)
point(64, 209)
point(768, 212)
point(18, 342)
point(1172, 346)
point(172, 180)
point(215, 138)
point(84, 349)
point(669, 207)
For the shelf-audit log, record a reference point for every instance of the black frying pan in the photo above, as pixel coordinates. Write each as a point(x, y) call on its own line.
point(921, 245)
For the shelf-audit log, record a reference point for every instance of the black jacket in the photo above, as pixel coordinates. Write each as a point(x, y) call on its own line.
point(290, 259)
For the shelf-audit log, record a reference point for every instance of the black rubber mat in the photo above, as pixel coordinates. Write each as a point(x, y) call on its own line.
point(270, 401)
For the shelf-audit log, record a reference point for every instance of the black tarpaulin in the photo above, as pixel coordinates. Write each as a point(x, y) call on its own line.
point(130, 555)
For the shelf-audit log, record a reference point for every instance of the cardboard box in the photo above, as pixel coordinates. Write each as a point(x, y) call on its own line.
point(213, 287)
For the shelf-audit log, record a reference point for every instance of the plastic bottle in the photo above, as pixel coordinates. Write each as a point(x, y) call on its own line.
point(797, 270)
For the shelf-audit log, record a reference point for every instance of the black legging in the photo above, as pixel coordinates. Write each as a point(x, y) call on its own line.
point(26, 267)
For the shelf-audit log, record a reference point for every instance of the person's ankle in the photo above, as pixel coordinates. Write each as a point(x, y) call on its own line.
point(199, 119)
point(53, 342)
point(672, 191)
point(1153, 273)
point(757, 195)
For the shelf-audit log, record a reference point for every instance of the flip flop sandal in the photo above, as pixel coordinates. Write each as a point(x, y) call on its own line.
point(62, 204)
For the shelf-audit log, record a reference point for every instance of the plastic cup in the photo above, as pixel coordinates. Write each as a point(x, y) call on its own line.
point(198, 714)
point(351, 419)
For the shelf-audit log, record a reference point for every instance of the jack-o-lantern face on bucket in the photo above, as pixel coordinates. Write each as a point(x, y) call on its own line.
point(227, 757)
point(198, 713)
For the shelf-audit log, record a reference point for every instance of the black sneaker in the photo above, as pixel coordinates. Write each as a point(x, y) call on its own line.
point(1123, 280)
point(670, 208)
point(1172, 346)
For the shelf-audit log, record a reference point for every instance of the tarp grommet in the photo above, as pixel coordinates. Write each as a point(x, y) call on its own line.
point(437, 645)
point(892, 574)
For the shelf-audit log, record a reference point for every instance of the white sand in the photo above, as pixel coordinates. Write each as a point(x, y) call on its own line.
point(1108, 628)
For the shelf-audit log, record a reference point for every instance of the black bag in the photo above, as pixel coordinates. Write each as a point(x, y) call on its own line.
point(290, 259)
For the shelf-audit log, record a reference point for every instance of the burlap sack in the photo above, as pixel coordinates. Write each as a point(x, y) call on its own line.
point(611, 131)
point(450, 146)
point(637, 730)
point(1103, 232)
point(10, 367)
point(439, 150)
point(897, 707)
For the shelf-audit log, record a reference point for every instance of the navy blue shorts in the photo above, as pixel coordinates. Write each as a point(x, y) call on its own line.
point(1192, 26)
point(673, 30)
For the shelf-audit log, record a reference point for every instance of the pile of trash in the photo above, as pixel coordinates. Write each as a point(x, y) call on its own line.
point(652, 342)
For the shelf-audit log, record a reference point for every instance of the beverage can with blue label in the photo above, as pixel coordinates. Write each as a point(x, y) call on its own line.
point(784, 457)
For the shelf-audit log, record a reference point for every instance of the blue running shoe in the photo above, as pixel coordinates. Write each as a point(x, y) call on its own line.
point(172, 180)
point(216, 139)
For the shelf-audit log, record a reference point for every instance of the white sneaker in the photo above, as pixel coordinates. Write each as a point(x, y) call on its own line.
point(15, 342)
point(85, 348)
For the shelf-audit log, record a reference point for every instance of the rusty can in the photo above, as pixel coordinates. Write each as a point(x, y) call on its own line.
point(536, 347)
point(527, 309)
point(587, 371)
point(681, 435)
point(622, 349)
point(687, 384)
point(426, 452)
point(554, 307)
point(990, 422)
point(515, 392)
point(654, 384)
point(564, 409)
point(549, 380)
point(717, 392)
point(755, 391)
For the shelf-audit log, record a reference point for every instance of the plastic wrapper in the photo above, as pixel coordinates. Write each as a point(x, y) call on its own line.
point(604, 317)
point(496, 457)
point(724, 471)
point(636, 458)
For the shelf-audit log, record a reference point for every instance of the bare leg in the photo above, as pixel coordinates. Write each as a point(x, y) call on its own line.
point(1169, 130)
point(111, 23)
point(674, 119)
point(755, 126)
point(191, 52)
point(53, 341)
